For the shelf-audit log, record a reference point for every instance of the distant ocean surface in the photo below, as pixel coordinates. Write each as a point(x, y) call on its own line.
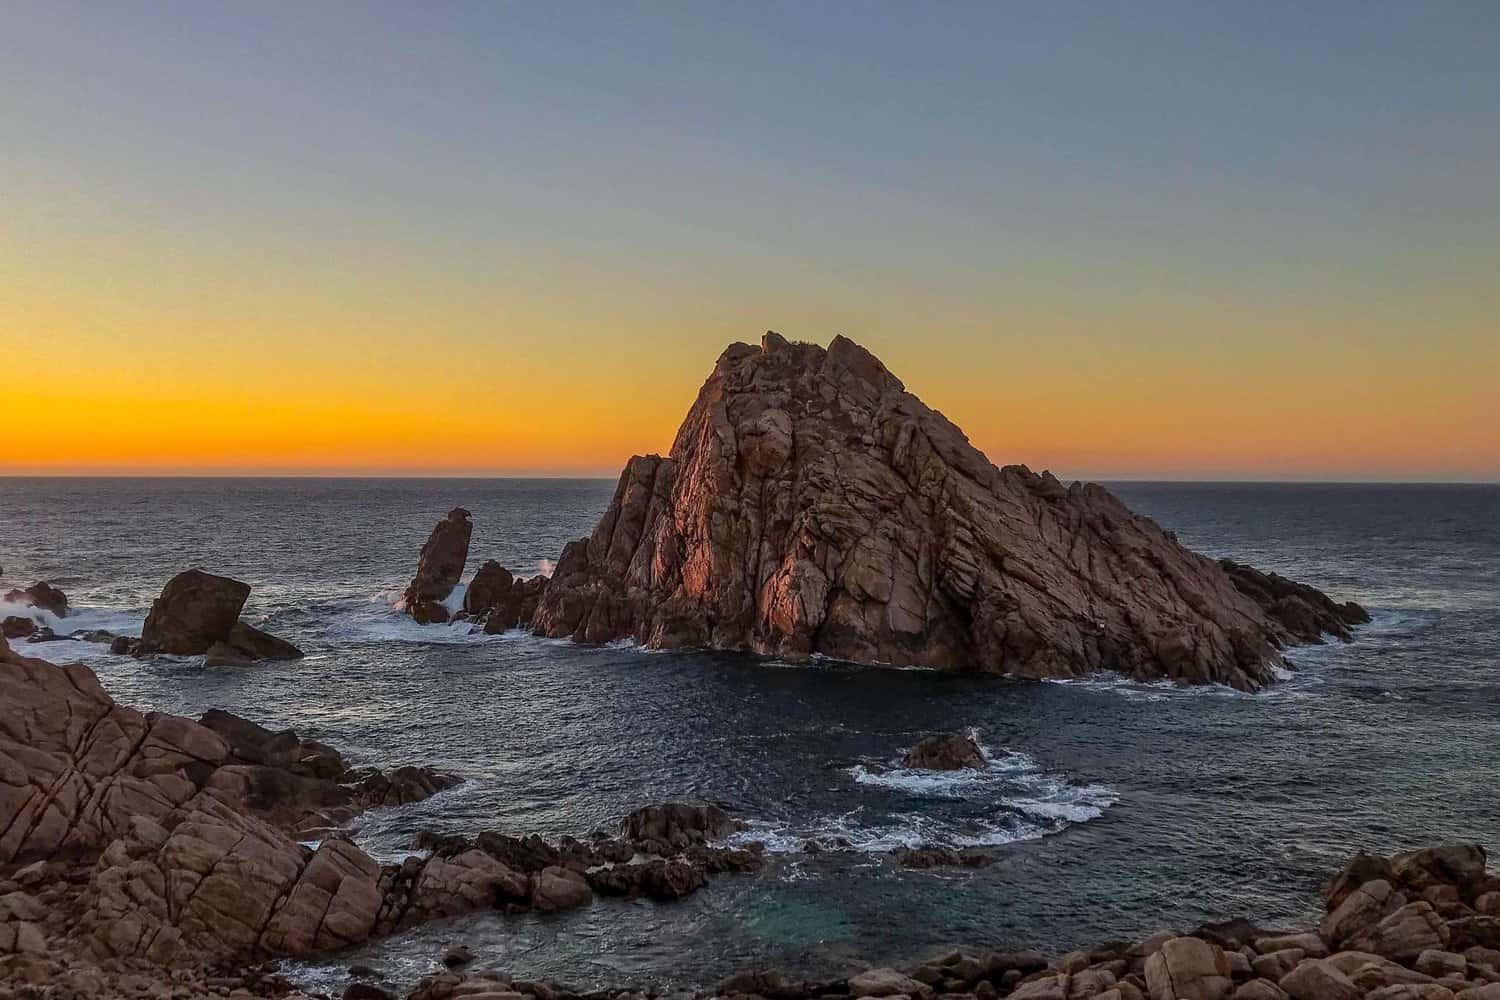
point(1121, 807)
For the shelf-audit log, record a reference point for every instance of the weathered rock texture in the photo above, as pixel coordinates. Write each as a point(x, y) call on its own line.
point(439, 567)
point(159, 840)
point(199, 612)
point(76, 769)
point(811, 505)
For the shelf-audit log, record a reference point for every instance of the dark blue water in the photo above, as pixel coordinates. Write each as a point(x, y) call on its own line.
point(1119, 808)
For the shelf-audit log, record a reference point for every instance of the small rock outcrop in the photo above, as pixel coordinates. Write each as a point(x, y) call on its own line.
point(499, 601)
point(41, 595)
point(440, 566)
point(17, 627)
point(1305, 612)
point(811, 505)
point(663, 852)
point(946, 752)
point(199, 613)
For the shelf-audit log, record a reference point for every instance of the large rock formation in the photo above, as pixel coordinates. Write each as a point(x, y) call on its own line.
point(811, 505)
point(440, 565)
point(199, 612)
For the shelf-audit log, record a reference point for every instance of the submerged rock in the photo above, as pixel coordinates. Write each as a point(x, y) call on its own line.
point(811, 505)
point(440, 565)
point(947, 752)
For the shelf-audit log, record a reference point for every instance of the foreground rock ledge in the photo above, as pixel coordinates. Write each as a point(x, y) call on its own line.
point(151, 848)
point(811, 505)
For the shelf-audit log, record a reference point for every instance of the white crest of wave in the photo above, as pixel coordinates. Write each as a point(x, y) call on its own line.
point(545, 566)
point(1017, 801)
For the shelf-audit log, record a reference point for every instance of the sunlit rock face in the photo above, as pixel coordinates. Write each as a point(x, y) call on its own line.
point(810, 505)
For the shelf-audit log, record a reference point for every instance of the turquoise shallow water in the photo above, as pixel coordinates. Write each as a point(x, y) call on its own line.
point(1119, 807)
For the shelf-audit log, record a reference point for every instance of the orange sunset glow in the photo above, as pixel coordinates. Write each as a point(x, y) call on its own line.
point(213, 265)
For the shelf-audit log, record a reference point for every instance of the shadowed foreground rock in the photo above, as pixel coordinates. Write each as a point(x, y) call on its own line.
point(811, 505)
point(155, 843)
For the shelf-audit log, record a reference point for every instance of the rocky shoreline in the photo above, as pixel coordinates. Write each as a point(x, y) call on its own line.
point(1423, 925)
point(157, 856)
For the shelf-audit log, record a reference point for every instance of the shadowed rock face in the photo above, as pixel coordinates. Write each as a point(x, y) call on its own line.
point(811, 505)
point(198, 612)
point(195, 610)
point(946, 752)
point(439, 567)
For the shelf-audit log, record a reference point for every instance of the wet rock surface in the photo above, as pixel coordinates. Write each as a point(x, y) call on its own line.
point(945, 752)
point(811, 505)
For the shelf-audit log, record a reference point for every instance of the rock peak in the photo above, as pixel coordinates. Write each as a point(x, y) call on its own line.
point(811, 505)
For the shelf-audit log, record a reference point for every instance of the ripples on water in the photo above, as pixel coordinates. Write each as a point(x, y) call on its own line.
point(1120, 807)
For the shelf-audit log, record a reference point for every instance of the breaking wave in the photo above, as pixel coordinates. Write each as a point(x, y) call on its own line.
point(1012, 798)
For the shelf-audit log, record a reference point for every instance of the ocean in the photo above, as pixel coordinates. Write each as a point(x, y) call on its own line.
point(1119, 808)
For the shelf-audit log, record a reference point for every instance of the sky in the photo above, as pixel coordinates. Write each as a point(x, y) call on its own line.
point(1188, 240)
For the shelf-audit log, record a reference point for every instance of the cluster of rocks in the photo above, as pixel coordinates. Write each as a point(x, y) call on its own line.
point(158, 849)
point(42, 595)
point(811, 505)
point(494, 599)
point(161, 840)
point(197, 614)
point(662, 852)
point(1418, 926)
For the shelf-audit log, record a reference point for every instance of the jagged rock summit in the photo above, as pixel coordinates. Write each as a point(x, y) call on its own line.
point(811, 505)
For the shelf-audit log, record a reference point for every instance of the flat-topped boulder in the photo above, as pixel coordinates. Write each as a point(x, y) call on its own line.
point(810, 505)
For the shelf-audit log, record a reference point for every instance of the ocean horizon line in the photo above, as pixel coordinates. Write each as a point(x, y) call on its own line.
point(611, 477)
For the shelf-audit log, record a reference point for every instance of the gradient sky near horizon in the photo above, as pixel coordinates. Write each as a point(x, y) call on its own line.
point(1154, 240)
